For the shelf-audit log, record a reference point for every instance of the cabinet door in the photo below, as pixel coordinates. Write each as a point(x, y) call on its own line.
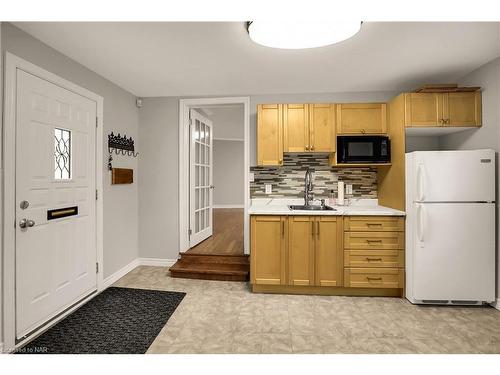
point(462, 108)
point(362, 118)
point(322, 127)
point(300, 250)
point(296, 127)
point(328, 251)
point(267, 256)
point(270, 134)
point(423, 109)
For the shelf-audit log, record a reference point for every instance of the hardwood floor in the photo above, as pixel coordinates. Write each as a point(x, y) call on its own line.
point(227, 237)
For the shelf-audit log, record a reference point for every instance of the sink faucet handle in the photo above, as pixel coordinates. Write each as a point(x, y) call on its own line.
point(322, 202)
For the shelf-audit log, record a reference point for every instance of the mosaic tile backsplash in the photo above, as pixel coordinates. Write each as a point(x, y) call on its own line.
point(288, 180)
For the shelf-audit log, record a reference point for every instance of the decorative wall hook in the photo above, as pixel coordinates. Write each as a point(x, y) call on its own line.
point(120, 145)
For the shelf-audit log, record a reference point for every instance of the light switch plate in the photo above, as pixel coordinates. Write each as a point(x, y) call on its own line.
point(269, 188)
point(348, 189)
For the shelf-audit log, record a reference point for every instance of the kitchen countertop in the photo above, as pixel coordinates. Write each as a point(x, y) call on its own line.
point(361, 207)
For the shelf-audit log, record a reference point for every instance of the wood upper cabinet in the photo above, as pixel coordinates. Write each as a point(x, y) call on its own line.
point(328, 251)
point(322, 127)
point(462, 108)
point(309, 127)
point(268, 243)
point(300, 250)
point(443, 109)
point(270, 134)
point(296, 127)
point(423, 109)
point(361, 118)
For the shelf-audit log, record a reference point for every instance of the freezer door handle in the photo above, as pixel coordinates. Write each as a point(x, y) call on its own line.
point(420, 182)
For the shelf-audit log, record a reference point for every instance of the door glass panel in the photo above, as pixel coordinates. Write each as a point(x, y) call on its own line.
point(196, 176)
point(197, 153)
point(197, 198)
point(202, 219)
point(207, 197)
point(62, 154)
point(202, 177)
point(207, 217)
point(207, 156)
point(207, 135)
point(197, 221)
point(197, 130)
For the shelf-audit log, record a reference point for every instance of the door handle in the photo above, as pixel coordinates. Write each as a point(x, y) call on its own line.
point(26, 223)
point(420, 223)
point(317, 226)
point(420, 182)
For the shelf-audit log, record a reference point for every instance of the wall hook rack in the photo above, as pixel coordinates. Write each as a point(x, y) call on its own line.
point(120, 145)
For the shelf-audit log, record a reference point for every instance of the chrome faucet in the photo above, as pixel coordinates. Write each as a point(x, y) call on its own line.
point(308, 188)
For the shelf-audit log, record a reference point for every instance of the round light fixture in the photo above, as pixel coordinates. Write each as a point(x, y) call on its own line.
point(299, 35)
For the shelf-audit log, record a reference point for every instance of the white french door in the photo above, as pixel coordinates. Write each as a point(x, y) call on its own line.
point(55, 231)
point(201, 183)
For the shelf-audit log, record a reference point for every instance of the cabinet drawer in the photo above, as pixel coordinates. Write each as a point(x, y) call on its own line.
point(373, 240)
point(373, 278)
point(374, 224)
point(374, 258)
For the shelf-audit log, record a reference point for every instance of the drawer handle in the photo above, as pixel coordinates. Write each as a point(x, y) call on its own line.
point(377, 241)
point(374, 278)
point(374, 224)
point(374, 259)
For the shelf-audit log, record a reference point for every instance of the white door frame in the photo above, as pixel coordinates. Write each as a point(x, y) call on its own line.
point(12, 64)
point(184, 106)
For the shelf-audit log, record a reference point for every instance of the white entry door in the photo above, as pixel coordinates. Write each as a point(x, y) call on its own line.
point(55, 200)
point(201, 187)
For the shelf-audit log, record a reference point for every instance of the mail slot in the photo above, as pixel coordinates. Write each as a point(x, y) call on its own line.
point(62, 212)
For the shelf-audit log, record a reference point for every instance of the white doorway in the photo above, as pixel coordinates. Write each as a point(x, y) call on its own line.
point(185, 106)
point(52, 150)
point(201, 178)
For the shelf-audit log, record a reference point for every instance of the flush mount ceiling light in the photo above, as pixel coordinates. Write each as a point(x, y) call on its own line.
point(299, 35)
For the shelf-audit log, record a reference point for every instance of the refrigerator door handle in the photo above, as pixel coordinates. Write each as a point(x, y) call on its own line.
point(420, 222)
point(420, 182)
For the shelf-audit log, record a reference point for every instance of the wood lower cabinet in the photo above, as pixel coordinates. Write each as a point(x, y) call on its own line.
point(268, 245)
point(315, 250)
point(374, 252)
point(328, 250)
point(323, 254)
point(301, 250)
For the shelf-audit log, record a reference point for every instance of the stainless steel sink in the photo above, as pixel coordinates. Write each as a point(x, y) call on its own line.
point(311, 208)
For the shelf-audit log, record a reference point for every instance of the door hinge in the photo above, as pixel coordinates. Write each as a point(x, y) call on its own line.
point(190, 231)
point(96, 194)
point(96, 267)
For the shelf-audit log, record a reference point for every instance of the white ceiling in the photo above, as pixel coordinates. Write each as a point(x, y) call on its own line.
point(218, 58)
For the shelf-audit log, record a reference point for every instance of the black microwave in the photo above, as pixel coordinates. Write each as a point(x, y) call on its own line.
point(363, 149)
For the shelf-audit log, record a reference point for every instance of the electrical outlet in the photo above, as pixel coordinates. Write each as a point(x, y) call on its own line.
point(269, 188)
point(348, 189)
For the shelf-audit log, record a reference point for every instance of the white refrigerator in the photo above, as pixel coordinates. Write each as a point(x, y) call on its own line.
point(450, 227)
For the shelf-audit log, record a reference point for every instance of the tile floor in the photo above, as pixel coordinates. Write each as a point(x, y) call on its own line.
point(225, 317)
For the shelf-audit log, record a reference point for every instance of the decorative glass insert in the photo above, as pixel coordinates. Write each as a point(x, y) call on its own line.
point(62, 154)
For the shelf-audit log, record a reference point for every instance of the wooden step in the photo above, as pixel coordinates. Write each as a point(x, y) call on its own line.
point(212, 267)
point(214, 258)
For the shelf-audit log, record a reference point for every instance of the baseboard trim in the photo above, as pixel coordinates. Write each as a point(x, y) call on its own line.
point(228, 206)
point(156, 262)
point(496, 304)
point(110, 280)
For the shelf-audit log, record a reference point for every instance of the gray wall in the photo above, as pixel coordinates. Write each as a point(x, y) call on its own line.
point(120, 115)
point(488, 136)
point(158, 163)
point(417, 143)
point(227, 121)
point(229, 173)
point(159, 178)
